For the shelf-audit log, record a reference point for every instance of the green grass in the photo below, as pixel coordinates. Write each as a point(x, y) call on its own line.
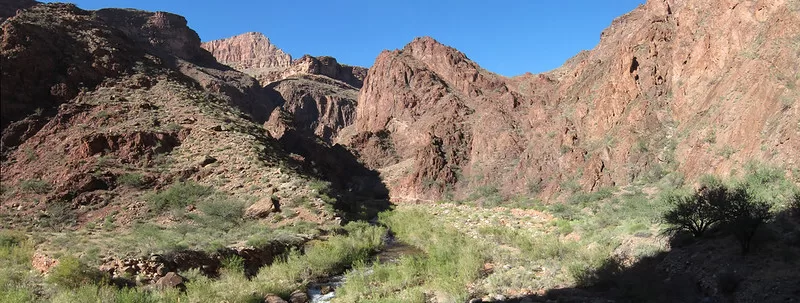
point(451, 261)
point(18, 283)
point(565, 251)
point(74, 281)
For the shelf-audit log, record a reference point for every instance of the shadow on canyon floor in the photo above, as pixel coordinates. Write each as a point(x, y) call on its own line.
point(708, 269)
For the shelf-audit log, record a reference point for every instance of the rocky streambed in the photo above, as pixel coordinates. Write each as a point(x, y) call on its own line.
point(324, 291)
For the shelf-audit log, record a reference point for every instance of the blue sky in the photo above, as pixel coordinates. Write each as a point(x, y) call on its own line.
point(509, 37)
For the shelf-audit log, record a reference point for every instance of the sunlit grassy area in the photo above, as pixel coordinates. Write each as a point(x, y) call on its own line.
point(293, 272)
point(469, 250)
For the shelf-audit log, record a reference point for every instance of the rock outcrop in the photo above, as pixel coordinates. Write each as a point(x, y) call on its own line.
point(248, 51)
point(672, 88)
point(328, 67)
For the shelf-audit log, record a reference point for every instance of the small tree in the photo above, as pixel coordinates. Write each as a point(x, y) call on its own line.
point(696, 213)
point(743, 215)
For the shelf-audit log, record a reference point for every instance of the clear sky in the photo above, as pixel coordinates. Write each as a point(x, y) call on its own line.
point(509, 37)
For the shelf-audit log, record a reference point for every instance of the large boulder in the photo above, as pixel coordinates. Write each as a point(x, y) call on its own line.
point(170, 280)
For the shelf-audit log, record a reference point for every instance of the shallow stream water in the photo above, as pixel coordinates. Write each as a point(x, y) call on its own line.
point(392, 251)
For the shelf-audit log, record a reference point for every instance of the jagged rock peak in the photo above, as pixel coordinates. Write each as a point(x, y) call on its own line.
point(248, 50)
point(427, 48)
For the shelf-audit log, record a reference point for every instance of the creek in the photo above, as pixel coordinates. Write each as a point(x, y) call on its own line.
point(324, 291)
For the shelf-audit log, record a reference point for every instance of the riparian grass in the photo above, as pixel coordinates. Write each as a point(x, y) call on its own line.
point(321, 259)
point(450, 263)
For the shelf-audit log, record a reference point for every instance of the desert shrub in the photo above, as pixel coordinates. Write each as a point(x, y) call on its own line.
point(794, 205)
point(767, 183)
point(72, 273)
point(739, 211)
point(695, 213)
point(36, 186)
point(743, 215)
point(10, 239)
point(563, 211)
point(321, 187)
point(133, 180)
point(222, 206)
point(17, 296)
point(178, 195)
point(18, 282)
point(58, 214)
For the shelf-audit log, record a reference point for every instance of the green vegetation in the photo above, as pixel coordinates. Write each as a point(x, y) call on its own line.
point(36, 186)
point(696, 213)
point(178, 196)
point(17, 282)
point(744, 216)
point(450, 262)
point(794, 204)
point(740, 206)
point(77, 282)
point(467, 249)
point(133, 180)
point(71, 273)
point(322, 259)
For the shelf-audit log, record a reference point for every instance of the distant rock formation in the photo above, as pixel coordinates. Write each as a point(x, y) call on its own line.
point(248, 51)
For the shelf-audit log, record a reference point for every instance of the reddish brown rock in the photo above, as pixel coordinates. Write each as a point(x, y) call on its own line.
point(94, 100)
point(271, 298)
point(316, 106)
point(328, 67)
point(298, 297)
point(170, 280)
point(672, 86)
point(262, 209)
point(248, 51)
point(315, 96)
point(42, 263)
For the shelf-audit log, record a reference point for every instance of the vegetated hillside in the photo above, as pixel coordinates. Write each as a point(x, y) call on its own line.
point(678, 88)
point(119, 116)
